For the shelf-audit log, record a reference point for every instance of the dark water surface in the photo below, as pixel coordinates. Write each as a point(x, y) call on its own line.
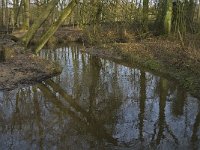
point(99, 104)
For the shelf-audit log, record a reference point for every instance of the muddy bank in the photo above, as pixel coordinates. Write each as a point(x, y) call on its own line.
point(20, 67)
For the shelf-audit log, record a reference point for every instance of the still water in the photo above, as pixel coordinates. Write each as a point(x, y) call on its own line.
point(99, 104)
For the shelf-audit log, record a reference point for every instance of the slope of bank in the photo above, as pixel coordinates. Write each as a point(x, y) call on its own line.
point(159, 55)
point(19, 68)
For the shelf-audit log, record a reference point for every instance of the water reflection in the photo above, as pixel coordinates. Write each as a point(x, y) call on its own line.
point(98, 104)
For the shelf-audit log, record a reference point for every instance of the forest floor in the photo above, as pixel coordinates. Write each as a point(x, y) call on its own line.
point(20, 68)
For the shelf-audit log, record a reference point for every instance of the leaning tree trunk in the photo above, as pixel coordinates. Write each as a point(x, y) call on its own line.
point(45, 11)
point(52, 29)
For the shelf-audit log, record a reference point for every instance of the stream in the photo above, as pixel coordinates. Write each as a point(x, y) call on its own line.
point(96, 103)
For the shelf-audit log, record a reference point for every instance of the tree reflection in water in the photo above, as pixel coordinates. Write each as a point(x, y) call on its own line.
point(97, 104)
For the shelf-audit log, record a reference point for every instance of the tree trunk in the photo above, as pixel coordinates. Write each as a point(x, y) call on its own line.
point(52, 29)
point(168, 17)
point(190, 11)
point(45, 11)
point(6, 15)
point(3, 12)
point(15, 10)
point(145, 14)
point(26, 14)
point(199, 13)
point(18, 16)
